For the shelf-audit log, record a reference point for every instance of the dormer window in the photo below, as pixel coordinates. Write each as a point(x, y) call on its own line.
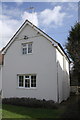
point(26, 48)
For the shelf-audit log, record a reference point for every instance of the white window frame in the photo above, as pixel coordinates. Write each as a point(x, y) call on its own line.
point(26, 79)
point(23, 47)
point(18, 81)
point(27, 47)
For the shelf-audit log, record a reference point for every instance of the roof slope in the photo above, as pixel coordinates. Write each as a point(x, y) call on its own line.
point(54, 43)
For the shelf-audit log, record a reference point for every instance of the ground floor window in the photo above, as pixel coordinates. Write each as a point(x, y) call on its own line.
point(26, 81)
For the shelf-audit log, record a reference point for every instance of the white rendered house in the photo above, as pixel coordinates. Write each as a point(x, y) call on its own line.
point(34, 65)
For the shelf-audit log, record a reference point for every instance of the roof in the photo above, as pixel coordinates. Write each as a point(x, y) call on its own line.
point(54, 43)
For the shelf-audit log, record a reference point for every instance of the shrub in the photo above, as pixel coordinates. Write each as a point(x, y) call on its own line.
point(30, 102)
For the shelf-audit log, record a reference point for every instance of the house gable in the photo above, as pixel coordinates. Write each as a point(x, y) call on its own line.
point(19, 35)
point(21, 29)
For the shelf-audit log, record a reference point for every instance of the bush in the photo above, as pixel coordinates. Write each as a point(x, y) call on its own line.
point(72, 93)
point(30, 102)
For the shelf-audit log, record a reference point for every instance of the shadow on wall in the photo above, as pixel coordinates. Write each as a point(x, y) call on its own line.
point(63, 82)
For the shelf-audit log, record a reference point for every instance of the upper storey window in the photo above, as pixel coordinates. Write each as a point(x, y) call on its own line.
point(26, 48)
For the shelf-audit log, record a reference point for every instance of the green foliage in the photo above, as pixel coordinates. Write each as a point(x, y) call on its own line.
point(73, 48)
point(30, 102)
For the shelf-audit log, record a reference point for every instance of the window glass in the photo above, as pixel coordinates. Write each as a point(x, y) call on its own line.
point(21, 81)
point(26, 48)
point(33, 81)
point(24, 51)
point(27, 83)
point(30, 48)
point(27, 76)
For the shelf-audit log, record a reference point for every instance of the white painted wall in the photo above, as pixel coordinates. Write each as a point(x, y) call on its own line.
point(60, 74)
point(63, 76)
point(66, 79)
point(41, 62)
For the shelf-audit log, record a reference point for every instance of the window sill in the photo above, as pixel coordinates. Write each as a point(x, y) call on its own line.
point(27, 88)
point(27, 54)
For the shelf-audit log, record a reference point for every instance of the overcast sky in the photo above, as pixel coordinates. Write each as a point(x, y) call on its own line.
point(54, 18)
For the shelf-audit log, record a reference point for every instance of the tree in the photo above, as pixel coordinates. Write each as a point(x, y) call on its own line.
point(73, 49)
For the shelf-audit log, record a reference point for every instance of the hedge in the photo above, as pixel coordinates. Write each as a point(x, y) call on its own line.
point(30, 102)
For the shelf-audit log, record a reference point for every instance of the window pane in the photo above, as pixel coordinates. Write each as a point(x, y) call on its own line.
point(27, 76)
point(33, 81)
point(27, 83)
point(24, 45)
point(33, 85)
point(21, 81)
point(24, 50)
point(33, 77)
point(30, 48)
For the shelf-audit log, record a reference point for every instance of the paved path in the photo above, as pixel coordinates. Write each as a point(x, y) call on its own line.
point(72, 108)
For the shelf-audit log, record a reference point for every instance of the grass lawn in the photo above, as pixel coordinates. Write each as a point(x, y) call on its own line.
point(0, 113)
point(10, 111)
point(65, 110)
point(0, 110)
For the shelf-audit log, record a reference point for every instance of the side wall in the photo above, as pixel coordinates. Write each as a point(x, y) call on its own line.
point(41, 62)
point(62, 77)
point(66, 76)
